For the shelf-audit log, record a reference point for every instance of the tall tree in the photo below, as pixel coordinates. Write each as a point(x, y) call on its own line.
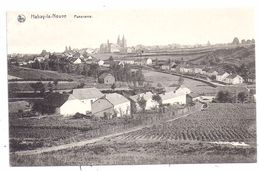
point(142, 103)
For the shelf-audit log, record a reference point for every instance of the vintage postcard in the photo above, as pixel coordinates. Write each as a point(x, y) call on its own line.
point(131, 87)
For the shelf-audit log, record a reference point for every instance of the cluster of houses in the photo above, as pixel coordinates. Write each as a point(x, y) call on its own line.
point(92, 100)
point(208, 73)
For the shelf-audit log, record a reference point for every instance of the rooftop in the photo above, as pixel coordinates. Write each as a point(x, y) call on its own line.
point(87, 93)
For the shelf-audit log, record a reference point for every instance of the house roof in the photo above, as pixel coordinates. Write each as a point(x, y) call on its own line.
point(221, 72)
point(115, 98)
point(102, 76)
point(146, 96)
point(232, 76)
point(87, 93)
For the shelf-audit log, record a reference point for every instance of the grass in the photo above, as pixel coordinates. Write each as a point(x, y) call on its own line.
point(117, 150)
point(168, 79)
point(28, 73)
point(112, 152)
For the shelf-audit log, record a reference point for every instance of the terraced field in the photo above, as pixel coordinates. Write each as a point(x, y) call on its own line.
point(218, 123)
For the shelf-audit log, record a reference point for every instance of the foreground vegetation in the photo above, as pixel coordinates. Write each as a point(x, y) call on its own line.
point(192, 139)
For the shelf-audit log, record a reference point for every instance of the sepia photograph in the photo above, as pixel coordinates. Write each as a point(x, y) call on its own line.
point(131, 87)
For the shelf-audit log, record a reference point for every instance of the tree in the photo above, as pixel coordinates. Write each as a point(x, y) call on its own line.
point(39, 86)
point(159, 85)
point(113, 86)
point(180, 80)
point(242, 97)
point(50, 87)
point(235, 41)
point(142, 103)
point(158, 99)
point(224, 97)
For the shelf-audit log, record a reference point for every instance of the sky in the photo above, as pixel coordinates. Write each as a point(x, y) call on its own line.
point(147, 27)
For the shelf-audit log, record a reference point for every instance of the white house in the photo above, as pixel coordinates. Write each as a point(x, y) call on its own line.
point(148, 96)
point(234, 79)
point(121, 104)
point(185, 69)
point(73, 106)
point(197, 70)
point(173, 98)
point(87, 95)
point(101, 62)
point(222, 76)
point(149, 61)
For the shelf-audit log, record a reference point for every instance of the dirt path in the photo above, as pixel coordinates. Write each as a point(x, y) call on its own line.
point(94, 140)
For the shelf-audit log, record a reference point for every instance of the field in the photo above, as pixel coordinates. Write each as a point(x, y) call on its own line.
point(218, 123)
point(197, 138)
point(168, 79)
point(28, 73)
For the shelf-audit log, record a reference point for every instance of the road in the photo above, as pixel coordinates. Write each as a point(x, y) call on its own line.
point(91, 141)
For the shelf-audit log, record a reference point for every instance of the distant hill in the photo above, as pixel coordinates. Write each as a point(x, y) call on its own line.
point(228, 56)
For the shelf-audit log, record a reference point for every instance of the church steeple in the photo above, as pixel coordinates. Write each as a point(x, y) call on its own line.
point(118, 40)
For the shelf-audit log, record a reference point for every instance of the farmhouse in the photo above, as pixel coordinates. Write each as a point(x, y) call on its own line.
point(211, 72)
point(197, 70)
point(173, 98)
point(222, 76)
point(72, 106)
point(102, 108)
point(64, 104)
point(106, 78)
point(121, 104)
point(148, 96)
point(75, 60)
point(149, 61)
point(251, 78)
point(87, 95)
point(165, 67)
point(39, 59)
point(186, 69)
point(234, 79)
point(100, 62)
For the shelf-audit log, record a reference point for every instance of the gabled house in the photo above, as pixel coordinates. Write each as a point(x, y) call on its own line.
point(148, 96)
point(121, 105)
point(87, 95)
point(39, 59)
point(186, 69)
point(211, 72)
point(106, 78)
point(72, 106)
point(100, 62)
point(173, 98)
point(251, 78)
point(222, 76)
point(165, 67)
point(149, 61)
point(197, 70)
point(234, 79)
point(65, 104)
point(102, 108)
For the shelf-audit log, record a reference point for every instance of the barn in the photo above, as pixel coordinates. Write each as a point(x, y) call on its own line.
point(106, 78)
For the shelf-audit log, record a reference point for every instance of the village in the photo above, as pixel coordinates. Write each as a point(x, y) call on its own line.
point(83, 94)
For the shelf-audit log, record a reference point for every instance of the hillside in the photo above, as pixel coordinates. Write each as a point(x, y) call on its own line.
point(34, 74)
point(228, 56)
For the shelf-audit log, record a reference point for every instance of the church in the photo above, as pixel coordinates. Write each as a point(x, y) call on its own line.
point(119, 47)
